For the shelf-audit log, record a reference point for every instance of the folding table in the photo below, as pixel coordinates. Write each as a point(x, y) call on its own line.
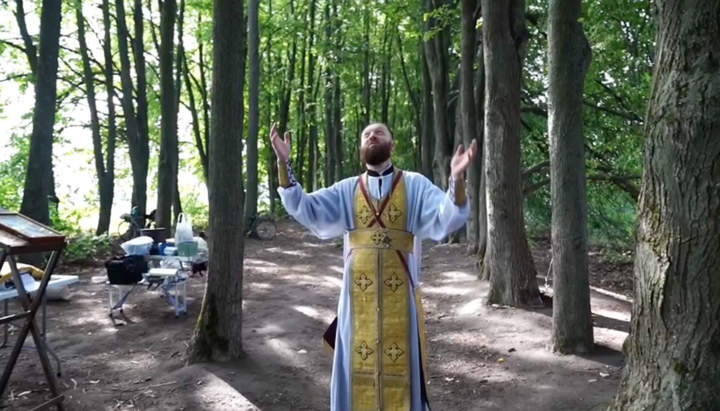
point(20, 235)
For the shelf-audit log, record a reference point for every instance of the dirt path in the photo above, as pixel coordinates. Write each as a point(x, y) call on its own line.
point(482, 358)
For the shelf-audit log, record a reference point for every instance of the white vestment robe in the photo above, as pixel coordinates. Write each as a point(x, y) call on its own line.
point(329, 212)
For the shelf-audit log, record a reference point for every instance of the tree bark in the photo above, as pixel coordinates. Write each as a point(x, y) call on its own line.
point(673, 361)
point(218, 332)
point(137, 143)
point(479, 191)
point(468, 117)
point(569, 57)
point(108, 187)
point(438, 61)
point(511, 269)
point(168, 162)
point(251, 198)
point(37, 184)
point(104, 175)
point(427, 139)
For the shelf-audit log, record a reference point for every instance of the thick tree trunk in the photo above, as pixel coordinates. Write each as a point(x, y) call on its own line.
point(479, 189)
point(673, 361)
point(251, 198)
point(569, 58)
point(511, 268)
point(218, 332)
point(437, 59)
point(468, 113)
point(37, 182)
point(168, 163)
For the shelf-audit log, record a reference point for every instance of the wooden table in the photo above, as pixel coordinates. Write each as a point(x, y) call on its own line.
point(20, 235)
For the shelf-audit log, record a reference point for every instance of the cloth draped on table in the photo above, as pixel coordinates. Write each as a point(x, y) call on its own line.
point(378, 337)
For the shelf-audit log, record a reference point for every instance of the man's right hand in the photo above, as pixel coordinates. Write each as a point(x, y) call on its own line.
point(280, 145)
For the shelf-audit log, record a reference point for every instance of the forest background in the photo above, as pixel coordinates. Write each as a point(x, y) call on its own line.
point(326, 69)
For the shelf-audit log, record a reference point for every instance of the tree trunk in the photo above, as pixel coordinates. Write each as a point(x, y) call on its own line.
point(468, 120)
point(437, 58)
point(107, 188)
point(310, 111)
point(673, 361)
point(37, 182)
point(427, 139)
point(478, 190)
point(168, 162)
point(251, 198)
point(137, 144)
point(105, 184)
point(569, 58)
point(511, 268)
point(179, 56)
point(218, 332)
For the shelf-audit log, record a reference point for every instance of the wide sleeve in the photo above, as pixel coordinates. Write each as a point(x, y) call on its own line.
point(439, 213)
point(321, 212)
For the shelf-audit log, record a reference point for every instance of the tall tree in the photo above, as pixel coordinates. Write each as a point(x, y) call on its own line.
point(135, 130)
point(569, 58)
point(105, 171)
point(218, 332)
point(672, 350)
point(37, 184)
point(468, 113)
point(512, 271)
point(251, 198)
point(438, 61)
point(168, 164)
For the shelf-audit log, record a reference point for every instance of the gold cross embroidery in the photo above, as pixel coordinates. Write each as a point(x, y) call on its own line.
point(363, 282)
point(394, 282)
point(364, 214)
point(364, 351)
point(394, 352)
point(381, 237)
point(393, 213)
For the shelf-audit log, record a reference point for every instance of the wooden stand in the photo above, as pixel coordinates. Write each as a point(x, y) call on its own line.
point(20, 235)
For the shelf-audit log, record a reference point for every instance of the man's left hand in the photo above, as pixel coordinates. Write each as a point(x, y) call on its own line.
point(462, 160)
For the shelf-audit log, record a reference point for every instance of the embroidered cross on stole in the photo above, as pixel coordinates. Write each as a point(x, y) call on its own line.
point(380, 295)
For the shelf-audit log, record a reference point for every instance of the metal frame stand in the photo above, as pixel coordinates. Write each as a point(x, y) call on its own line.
point(30, 309)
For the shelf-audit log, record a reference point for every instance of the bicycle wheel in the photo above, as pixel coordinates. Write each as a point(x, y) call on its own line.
point(265, 230)
point(123, 230)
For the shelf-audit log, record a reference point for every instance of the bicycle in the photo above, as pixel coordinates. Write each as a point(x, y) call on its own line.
point(129, 227)
point(262, 227)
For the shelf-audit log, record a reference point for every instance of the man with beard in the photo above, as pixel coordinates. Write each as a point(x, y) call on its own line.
point(378, 337)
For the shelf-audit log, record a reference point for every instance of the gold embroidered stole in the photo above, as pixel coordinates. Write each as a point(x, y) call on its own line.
point(380, 299)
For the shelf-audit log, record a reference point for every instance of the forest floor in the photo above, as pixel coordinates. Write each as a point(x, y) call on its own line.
point(481, 358)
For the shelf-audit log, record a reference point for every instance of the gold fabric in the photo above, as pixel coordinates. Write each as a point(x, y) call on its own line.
point(460, 194)
point(283, 176)
point(381, 292)
point(381, 238)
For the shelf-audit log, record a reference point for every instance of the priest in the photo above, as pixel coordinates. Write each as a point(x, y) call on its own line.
point(378, 338)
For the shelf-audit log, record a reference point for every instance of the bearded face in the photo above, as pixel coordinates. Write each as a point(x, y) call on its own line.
point(374, 153)
point(376, 144)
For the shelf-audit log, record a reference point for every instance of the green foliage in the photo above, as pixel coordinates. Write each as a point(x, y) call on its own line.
point(390, 35)
point(81, 245)
point(12, 172)
point(196, 208)
point(621, 37)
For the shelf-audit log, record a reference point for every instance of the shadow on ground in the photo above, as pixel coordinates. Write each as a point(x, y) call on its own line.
point(482, 358)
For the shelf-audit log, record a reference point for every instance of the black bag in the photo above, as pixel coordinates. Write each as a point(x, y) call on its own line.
point(126, 270)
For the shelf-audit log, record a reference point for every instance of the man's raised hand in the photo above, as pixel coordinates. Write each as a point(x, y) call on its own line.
point(280, 145)
point(462, 159)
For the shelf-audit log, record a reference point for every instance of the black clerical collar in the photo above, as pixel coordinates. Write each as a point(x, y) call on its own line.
point(387, 171)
